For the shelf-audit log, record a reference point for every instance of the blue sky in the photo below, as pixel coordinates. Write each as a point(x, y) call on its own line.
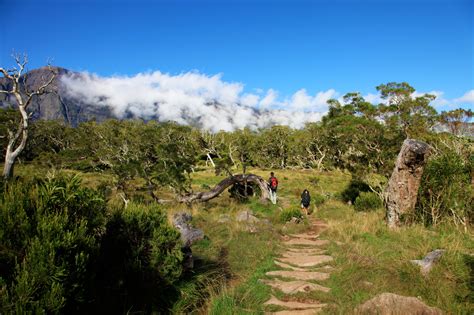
point(282, 46)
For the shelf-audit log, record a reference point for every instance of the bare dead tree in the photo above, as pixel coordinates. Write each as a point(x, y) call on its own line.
point(219, 188)
point(23, 97)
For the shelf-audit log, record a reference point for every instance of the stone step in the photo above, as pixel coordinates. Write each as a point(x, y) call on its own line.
point(307, 261)
point(292, 287)
point(304, 235)
point(293, 304)
point(306, 242)
point(286, 266)
point(297, 312)
point(306, 250)
point(299, 275)
point(291, 254)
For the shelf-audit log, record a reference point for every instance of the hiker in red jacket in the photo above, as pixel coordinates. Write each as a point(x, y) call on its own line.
point(273, 184)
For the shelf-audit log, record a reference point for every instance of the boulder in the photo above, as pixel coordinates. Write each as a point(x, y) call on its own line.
point(393, 304)
point(402, 188)
point(189, 235)
point(430, 259)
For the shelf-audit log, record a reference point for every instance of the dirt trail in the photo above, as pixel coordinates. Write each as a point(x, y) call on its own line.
point(303, 253)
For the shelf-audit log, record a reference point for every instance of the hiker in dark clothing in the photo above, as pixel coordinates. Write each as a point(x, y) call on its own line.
point(305, 201)
point(273, 185)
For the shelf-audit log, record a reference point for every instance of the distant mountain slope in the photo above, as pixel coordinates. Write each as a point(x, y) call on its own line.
point(56, 105)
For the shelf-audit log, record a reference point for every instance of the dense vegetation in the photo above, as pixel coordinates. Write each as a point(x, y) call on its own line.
point(106, 244)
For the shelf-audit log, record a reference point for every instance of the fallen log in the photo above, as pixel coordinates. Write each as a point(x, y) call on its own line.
point(231, 180)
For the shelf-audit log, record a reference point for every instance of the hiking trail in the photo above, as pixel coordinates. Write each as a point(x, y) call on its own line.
point(304, 268)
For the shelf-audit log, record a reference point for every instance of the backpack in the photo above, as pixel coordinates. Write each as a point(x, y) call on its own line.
point(273, 182)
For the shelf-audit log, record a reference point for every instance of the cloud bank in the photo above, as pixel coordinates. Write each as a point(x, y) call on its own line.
point(209, 102)
point(195, 98)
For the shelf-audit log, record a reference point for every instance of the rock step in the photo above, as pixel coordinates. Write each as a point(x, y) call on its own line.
point(297, 312)
point(293, 304)
point(306, 250)
point(291, 287)
point(306, 242)
point(307, 261)
point(304, 235)
point(290, 254)
point(300, 275)
point(283, 265)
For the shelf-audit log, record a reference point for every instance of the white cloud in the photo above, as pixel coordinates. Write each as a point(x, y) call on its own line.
point(468, 97)
point(269, 99)
point(194, 98)
point(301, 101)
point(211, 102)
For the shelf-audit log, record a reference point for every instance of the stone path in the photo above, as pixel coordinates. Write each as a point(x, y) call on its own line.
point(303, 253)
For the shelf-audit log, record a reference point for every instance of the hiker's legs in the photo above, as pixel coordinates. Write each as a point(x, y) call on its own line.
point(273, 197)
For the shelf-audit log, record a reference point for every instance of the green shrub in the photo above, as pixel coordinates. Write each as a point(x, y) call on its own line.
point(49, 231)
point(446, 190)
point(140, 258)
point(367, 201)
point(286, 215)
point(318, 199)
point(61, 253)
point(352, 191)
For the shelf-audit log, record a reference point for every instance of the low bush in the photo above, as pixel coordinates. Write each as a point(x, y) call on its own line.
point(140, 258)
point(61, 253)
point(367, 201)
point(49, 232)
point(446, 191)
point(288, 214)
point(318, 199)
point(352, 191)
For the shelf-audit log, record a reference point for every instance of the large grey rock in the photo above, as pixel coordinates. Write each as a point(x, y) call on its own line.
point(402, 188)
point(189, 234)
point(430, 259)
point(393, 304)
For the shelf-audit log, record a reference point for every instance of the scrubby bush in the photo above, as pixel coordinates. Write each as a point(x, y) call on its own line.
point(352, 191)
point(61, 253)
point(446, 190)
point(49, 232)
point(367, 201)
point(140, 258)
point(287, 215)
point(318, 199)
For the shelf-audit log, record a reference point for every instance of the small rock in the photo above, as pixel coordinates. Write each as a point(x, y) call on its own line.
point(246, 216)
point(430, 259)
point(392, 304)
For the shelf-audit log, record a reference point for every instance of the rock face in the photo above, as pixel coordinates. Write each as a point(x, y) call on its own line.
point(189, 235)
point(402, 189)
point(392, 304)
point(56, 105)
